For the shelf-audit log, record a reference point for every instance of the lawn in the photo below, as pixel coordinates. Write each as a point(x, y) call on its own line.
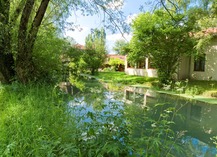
point(121, 77)
point(189, 88)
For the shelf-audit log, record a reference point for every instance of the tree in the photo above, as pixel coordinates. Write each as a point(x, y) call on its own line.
point(121, 47)
point(162, 39)
point(6, 57)
point(26, 39)
point(21, 19)
point(47, 55)
point(95, 53)
point(177, 6)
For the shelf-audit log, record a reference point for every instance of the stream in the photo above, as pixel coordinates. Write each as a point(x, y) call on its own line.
point(194, 121)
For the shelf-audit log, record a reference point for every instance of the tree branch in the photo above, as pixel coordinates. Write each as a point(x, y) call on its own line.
point(164, 6)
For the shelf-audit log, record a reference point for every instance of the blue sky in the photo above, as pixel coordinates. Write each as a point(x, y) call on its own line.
point(85, 23)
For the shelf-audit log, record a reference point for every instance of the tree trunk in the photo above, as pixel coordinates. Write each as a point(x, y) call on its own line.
point(26, 40)
point(6, 58)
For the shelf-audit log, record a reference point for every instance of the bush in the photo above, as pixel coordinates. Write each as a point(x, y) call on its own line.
point(109, 69)
point(214, 94)
point(47, 54)
point(195, 90)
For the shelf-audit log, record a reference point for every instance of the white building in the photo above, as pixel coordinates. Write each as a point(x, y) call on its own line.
point(202, 68)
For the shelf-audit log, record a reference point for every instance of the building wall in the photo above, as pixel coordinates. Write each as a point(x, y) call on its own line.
point(140, 72)
point(186, 67)
point(183, 68)
point(210, 72)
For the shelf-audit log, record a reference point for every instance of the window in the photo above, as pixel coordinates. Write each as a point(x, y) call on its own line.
point(199, 63)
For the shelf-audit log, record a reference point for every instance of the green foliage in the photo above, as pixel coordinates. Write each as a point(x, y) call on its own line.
point(84, 61)
point(47, 55)
point(115, 64)
point(77, 65)
point(201, 87)
point(151, 130)
point(94, 60)
point(121, 47)
point(115, 61)
point(37, 120)
point(161, 38)
point(122, 78)
point(202, 44)
point(109, 69)
point(34, 122)
point(192, 88)
point(95, 52)
point(21, 21)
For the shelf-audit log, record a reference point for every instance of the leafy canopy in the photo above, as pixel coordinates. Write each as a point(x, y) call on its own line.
point(161, 38)
point(121, 47)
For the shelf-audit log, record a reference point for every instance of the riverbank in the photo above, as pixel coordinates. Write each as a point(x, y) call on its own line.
point(38, 120)
point(205, 91)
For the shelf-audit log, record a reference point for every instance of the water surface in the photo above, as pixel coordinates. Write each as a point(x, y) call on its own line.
point(194, 121)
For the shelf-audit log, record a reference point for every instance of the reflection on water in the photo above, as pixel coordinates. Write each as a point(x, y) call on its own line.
point(102, 107)
point(197, 118)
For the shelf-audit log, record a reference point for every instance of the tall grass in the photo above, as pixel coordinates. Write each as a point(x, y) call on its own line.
point(34, 121)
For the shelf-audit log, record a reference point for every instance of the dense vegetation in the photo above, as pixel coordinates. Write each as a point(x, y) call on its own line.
point(38, 119)
point(122, 78)
point(171, 31)
point(192, 88)
point(23, 21)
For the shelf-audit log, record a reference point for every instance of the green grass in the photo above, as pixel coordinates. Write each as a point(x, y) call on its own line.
point(201, 90)
point(122, 78)
point(204, 85)
point(34, 121)
point(197, 87)
point(200, 87)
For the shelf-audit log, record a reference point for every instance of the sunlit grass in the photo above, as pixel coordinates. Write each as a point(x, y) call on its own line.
point(33, 121)
point(204, 89)
point(121, 77)
point(205, 85)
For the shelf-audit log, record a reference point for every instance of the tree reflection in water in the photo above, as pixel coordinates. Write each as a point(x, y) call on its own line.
point(141, 122)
